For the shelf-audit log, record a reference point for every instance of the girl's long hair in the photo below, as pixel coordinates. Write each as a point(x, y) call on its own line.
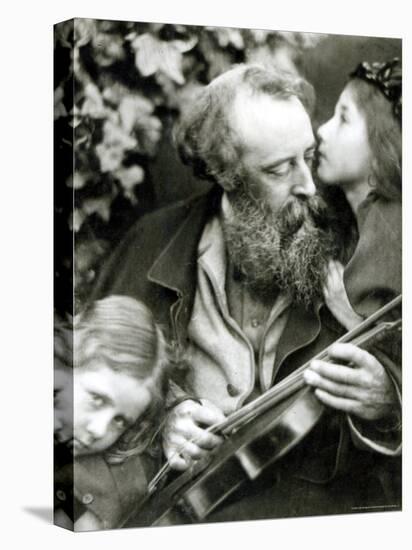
point(120, 332)
point(385, 138)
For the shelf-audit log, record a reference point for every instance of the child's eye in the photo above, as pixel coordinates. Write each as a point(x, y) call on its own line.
point(120, 422)
point(56, 398)
point(96, 399)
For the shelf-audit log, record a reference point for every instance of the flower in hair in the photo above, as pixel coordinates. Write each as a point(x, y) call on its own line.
point(387, 77)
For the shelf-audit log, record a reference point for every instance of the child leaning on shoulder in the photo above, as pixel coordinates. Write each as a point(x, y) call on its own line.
point(117, 388)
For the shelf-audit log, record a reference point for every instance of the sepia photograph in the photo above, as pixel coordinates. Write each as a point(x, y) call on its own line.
point(227, 274)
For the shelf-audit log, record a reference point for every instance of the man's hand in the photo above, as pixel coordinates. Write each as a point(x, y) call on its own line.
point(362, 389)
point(184, 435)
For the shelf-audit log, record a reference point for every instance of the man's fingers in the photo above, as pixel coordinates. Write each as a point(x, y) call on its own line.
point(336, 373)
point(349, 406)
point(207, 440)
point(177, 462)
point(184, 438)
point(201, 437)
point(207, 416)
point(181, 452)
point(349, 353)
point(192, 451)
point(334, 388)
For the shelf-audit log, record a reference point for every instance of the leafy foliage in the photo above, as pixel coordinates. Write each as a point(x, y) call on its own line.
point(115, 85)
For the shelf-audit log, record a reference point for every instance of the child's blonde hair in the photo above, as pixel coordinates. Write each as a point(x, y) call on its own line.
point(120, 333)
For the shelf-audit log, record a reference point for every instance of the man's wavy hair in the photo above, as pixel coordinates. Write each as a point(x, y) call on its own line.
point(205, 138)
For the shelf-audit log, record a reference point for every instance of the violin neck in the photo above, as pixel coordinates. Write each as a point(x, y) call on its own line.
point(361, 336)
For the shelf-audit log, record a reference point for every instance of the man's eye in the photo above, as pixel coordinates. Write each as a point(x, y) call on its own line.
point(309, 159)
point(343, 119)
point(280, 171)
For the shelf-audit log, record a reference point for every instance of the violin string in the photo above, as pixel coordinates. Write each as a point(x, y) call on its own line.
point(349, 337)
point(289, 385)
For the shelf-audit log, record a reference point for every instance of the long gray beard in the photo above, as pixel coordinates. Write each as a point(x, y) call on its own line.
point(287, 251)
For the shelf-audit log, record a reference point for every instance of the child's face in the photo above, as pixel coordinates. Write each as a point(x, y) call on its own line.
point(106, 403)
point(344, 151)
point(63, 405)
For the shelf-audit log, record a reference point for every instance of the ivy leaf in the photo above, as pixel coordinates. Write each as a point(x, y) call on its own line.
point(108, 48)
point(153, 55)
point(98, 205)
point(93, 105)
point(301, 40)
point(111, 150)
point(114, 92)
point(227, 36)
point(147, 52)
point(84, 30)
point(59, 108)
point(135, 114)
point(259, 36)
point(79, 180)
point(129, 178)
point(76, 219)
point(185, 45)
point(132, 108)
point(76, 117)
point(110, 157)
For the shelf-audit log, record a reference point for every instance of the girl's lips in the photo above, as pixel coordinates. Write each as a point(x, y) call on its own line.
point(321, 157)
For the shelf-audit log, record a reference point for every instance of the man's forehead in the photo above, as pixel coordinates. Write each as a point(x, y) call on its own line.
point(271, 125)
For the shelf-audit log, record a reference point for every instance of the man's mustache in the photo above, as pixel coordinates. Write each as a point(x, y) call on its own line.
point(299, 210)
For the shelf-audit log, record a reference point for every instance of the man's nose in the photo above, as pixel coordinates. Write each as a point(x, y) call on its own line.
point(304, 186)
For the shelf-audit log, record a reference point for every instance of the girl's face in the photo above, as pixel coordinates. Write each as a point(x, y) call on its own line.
point(344, 152)
point(106, 403)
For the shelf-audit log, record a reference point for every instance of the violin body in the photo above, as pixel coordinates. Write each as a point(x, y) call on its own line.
point(241, 458)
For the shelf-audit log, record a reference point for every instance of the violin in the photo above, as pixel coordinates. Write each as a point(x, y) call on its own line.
point(256, 436)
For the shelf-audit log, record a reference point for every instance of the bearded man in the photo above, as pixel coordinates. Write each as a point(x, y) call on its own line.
point(235, 276)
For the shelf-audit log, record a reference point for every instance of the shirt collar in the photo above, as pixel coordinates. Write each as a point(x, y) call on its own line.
point(212, 248)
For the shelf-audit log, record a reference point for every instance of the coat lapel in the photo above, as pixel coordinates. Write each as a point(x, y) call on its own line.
point(176, 267)
point(301, 329)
